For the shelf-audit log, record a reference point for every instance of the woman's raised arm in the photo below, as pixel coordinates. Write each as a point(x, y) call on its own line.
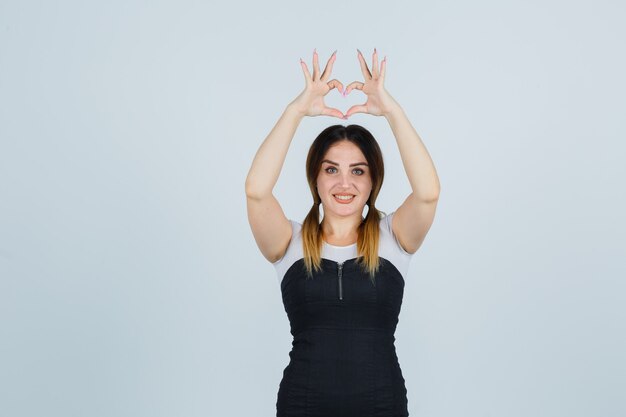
point(413, 218)
point(270, 226)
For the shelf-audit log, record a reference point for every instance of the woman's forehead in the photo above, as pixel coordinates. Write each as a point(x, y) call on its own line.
point(344, 150)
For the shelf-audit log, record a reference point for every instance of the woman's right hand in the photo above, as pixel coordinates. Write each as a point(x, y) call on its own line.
point(310, 102)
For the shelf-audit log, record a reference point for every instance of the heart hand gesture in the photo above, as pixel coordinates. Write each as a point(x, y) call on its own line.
point(379, 101)
point(310, 102)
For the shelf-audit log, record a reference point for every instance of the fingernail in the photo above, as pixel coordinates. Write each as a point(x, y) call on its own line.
point(335, 52)
point(374, 50)
point(314, 50)
point(359, 51)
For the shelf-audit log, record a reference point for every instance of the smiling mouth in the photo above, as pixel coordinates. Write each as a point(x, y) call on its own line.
point(343, 197)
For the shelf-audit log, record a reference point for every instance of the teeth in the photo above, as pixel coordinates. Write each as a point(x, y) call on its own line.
point(344, 197)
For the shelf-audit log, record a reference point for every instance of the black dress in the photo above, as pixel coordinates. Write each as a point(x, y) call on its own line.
point(343, 359)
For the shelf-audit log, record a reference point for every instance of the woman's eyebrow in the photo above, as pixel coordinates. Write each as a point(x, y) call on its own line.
point(352, 165)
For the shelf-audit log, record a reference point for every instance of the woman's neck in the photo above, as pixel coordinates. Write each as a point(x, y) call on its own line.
point(341, 231)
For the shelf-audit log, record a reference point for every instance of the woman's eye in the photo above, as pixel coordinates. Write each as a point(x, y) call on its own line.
point(358, 170)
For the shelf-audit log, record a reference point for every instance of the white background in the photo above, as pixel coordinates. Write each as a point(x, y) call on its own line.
point(130, 282)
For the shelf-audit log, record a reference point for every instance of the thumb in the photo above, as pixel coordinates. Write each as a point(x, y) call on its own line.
point(331, 111)
point(359, 108)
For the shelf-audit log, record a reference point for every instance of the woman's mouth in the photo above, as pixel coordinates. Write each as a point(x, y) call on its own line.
point(343, 198)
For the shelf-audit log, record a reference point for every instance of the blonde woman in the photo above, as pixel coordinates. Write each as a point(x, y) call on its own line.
point(342, 278)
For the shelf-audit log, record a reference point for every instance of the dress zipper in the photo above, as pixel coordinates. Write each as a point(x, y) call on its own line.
point(340, 266)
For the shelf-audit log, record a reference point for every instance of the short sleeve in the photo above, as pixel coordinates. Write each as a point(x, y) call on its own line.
point(293, 252)
point(390, 248)
point(281, 259)
point(395, 238)
point(293, 229)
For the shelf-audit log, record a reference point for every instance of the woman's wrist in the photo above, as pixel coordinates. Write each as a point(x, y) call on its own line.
point(393, 109)
point(294, 110)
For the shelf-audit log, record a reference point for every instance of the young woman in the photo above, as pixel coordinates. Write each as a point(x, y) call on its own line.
point(342, 279)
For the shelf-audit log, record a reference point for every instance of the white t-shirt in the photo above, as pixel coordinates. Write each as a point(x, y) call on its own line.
point(388, 248)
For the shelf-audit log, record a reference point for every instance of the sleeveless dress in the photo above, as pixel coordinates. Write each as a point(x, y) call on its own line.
point(343, 360)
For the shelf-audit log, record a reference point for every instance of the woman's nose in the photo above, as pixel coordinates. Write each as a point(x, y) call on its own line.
point(345, 180)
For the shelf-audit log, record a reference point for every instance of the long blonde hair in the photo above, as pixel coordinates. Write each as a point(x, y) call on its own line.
point(369, 229)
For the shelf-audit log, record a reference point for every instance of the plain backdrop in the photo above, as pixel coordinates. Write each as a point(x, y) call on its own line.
point(130, 281)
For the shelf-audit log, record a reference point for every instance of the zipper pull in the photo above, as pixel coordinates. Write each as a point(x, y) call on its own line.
point(340, 266)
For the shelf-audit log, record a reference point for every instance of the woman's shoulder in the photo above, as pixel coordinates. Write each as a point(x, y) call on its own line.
point(387, 237)
point(388, 247)
point(296, 227)
point(386, 226)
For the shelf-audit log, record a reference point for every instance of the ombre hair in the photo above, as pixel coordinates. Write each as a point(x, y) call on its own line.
point(369, 229)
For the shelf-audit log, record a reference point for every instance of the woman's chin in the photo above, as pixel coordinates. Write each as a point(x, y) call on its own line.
point(340, 209)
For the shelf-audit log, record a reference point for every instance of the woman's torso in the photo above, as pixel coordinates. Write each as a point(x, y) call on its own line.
point(343, 360)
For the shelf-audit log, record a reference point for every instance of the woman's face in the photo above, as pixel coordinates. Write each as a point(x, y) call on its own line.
point(338, 177)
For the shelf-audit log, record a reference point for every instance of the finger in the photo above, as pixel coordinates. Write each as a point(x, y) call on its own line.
point(316, 65)
point(383, 66)
point(329, 67)
point(359, 108)
point(305, 69)
point(331, 111)
point(334, 83)
point(375, 64)
point(366, 72)
point(355, 85)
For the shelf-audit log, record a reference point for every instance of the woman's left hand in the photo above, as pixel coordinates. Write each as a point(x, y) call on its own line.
point(379, 101)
